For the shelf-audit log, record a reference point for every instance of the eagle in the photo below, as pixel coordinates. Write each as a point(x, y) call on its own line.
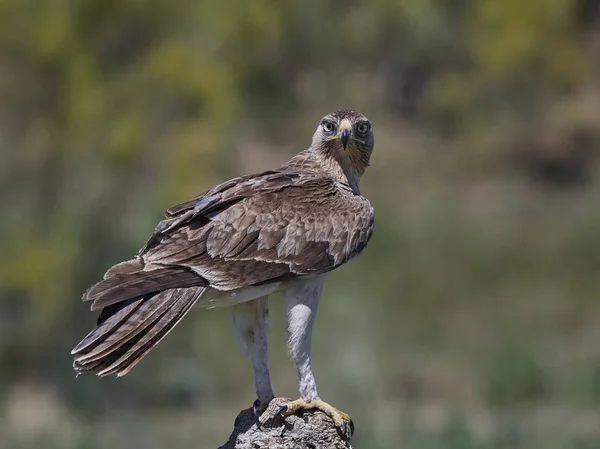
point(233, 246)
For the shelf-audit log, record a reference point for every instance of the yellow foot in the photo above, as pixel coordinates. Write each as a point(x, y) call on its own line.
point(341, 419)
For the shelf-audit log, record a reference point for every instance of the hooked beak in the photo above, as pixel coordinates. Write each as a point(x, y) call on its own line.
point(344, 132)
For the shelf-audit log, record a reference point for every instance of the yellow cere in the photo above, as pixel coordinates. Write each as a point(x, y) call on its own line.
point(345, 125)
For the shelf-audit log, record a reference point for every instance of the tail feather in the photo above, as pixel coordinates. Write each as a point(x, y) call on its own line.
point(125, 337)
point(108, 325)
point(149, 339)
point(145, 315)
point(127, 267)
point(122, 286)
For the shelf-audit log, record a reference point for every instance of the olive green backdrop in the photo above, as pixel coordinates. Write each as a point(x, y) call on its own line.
point(473, 318)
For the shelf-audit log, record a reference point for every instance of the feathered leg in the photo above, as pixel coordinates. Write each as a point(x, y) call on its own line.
point(251, 324)
point(302, 298)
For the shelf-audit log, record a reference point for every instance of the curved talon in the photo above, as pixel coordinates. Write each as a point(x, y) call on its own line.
point(344, 427)
point(283, 410)
point(258, 408)
point(255, 409)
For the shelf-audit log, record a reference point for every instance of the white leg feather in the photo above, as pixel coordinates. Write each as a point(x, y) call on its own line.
point(302, 297)
point(251, 325)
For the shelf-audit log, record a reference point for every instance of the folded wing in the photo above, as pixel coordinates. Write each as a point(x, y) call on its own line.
point(247, 231)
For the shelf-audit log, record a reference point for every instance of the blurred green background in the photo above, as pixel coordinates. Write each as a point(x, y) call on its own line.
point(473, 318)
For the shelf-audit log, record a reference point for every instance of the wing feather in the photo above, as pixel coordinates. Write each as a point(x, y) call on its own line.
point(247, 231)
point(262, 228)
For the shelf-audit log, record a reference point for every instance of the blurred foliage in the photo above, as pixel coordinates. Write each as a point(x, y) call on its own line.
point(474, 312)
point(513, 377)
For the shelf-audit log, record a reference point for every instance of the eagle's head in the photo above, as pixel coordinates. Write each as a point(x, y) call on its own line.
point(347, 136)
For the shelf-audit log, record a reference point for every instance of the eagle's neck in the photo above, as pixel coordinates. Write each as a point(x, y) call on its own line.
point(319, 162)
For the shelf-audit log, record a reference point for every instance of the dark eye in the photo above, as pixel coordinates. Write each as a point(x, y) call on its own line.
point(328, 127)
point(362, 128)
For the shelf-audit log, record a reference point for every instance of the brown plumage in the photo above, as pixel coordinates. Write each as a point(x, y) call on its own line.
point(235, 242)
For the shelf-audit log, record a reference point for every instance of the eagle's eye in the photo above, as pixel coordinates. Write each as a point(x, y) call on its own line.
point(362, 128)
point(328, 127)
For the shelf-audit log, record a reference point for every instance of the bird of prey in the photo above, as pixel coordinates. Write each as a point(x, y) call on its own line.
point(233, 245)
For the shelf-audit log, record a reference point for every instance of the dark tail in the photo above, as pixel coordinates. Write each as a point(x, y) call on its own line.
point(139, 309)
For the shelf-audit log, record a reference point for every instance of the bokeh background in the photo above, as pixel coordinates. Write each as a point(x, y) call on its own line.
point(473, 318)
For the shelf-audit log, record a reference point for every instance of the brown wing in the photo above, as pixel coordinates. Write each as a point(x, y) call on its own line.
point(262, 229)
point(243, 232)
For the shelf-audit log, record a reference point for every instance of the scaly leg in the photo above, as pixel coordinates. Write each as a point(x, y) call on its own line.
point(251, 324)
point(302, 298)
